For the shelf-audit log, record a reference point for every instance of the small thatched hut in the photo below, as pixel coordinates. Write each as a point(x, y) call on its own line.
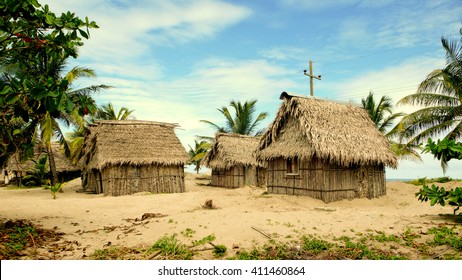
point(64, 167)
point(325, 150)
point(126, 157)
point(233, 161)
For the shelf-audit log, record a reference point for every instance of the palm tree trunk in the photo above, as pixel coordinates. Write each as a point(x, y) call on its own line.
point(54, 174)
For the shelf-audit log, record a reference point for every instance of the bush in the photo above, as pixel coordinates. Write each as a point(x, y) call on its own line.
point(438, 195)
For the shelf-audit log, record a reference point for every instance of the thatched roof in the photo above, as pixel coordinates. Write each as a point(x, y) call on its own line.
point(230, 150)
point(132, 142)
point(63, 164)
point(342, 134)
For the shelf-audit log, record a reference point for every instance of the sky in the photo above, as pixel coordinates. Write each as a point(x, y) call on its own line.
point(179, 61)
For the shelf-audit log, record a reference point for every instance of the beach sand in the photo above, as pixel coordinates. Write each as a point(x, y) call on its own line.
point(242, 218)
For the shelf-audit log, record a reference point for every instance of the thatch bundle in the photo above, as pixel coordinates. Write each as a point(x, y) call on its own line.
point(134, 143)
point(229, 150)
point(341, 134)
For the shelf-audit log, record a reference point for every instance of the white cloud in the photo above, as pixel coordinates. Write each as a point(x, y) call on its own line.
point(396, 81)
point(284, 53)
point(354, 29)
point(315, 5)
point(430, 168)
point(129, 32)
point(328, 4)
point(187, 100)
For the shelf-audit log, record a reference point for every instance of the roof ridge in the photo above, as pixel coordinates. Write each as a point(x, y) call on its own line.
point(289, 95)
point(135, 122)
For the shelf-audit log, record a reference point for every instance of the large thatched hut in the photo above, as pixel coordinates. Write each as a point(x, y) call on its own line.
point(325, 150)
point(126, 157)
point(233, 161)
point(64, 167)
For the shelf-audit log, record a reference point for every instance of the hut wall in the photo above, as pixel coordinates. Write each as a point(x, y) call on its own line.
point(250, 175)
point(339, 183)
point(323, 181)
point(371, 182)
point(91, 181)
point(261, 176)
point(228, 178)
point(127, 179)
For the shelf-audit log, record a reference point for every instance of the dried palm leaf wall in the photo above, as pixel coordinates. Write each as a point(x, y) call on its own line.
point(324, 181)
point(238, 176)
point(228, 178)
point(125, 179)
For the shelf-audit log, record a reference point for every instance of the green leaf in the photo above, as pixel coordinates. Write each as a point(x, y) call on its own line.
point(49, 19)
point(83, 34)
point(12, 99)
point(16, 132)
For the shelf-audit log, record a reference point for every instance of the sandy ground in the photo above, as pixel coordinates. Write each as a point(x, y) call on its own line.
point(241, 219)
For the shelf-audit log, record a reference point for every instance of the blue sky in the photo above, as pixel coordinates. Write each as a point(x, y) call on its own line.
point(178, 61)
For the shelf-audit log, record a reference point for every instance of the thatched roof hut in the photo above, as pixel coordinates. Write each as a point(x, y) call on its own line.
point(65, 168)
point(232, 160)
point(125, 157)
point(324, 149)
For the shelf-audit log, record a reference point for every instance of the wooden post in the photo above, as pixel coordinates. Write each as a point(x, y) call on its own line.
point(311, 77)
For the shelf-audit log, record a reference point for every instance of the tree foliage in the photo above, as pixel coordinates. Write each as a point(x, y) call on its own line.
point(197, 153)
point(32, 41)
point(381, 113)
point(243, 121)
point(440, 94)
point(444, 150)
point(438, 195)
point(108, 112)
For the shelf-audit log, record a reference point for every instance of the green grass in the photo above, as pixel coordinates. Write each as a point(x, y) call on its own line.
point(219, 251)
point(171, 248)
point(15, 237)
point(441, 242)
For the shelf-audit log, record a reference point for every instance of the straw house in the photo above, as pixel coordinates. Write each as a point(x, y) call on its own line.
point(64, 167)
point(233, 162)
point(325, 150)
point(126, 157)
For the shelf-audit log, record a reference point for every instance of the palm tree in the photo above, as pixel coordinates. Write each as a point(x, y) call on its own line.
point(243, 121)
point(107, 112)
point(382, 115)
point(441, 95)
point(197, 153)
point(381, 112)
point(49, 125)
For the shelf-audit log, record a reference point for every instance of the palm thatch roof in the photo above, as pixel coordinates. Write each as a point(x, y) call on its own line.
point(63, 164)
point(132, 142)
point(230, 150)
point(341, 134)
